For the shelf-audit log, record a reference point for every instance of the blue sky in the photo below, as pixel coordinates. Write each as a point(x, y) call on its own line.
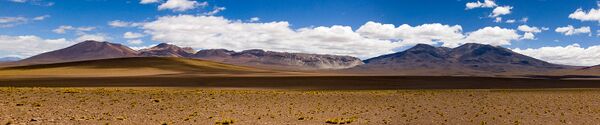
point(546, 15)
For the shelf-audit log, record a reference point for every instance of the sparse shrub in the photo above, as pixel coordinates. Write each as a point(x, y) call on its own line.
point(120, 118)
point(340, 120)
point(36, 105)
point(225, 122)
point(70, 90)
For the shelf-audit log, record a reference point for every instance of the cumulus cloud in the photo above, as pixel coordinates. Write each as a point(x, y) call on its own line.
point(490, 35)
point(142, 47)
point(591, 15)
point(501, 10)
point(484, 4)
point(529, 31)
point(25, 46)
point(254, 19)
point(149, 1)
point(570, 30)
point(181, 5)
point(406, 34)
point(208, 32)
point(371, 39)
point(529, 36)
point(132, 35)
point(569, 55)
point(135, 41)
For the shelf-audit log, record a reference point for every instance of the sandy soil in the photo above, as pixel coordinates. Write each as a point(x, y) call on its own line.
point(246, 107)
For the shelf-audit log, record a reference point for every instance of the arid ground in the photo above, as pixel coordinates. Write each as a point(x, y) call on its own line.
point(154, 105)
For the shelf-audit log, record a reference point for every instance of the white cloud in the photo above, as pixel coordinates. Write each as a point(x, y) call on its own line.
point(64, 28)
point(406, 34)
point(511, 21)
point(208, 32)
point(132, 35)
point(498, 19)
point(119, 23)
point(181, 5)
point(531, 29)
point(490, 35)
point(254, 19)
point(149, 1)
point(142, 47)
point(501, 10)
point(18, 1)
point(25, 46)
point(96, 37)
point(478, 4)
point(570, 30)
point(524, 19)
point(371, 39)
point(43, 17)
point(135, 41)
point(89, 28)
point(569, 55)
point(215, 10)
point(591, 15)
point(529, 36)
point(12, 21)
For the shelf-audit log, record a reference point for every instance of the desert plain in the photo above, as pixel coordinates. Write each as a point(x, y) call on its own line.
point(172, 105)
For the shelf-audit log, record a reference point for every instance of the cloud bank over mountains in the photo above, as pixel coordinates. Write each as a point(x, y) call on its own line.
point(368, 40)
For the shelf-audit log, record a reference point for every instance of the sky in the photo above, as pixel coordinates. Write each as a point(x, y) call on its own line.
point(557, 31)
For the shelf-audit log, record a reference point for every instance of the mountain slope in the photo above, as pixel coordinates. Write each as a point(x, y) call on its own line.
point(167, 50)
point(87, 50)
point(469, 59)
point(279, 60)
point(129, 66)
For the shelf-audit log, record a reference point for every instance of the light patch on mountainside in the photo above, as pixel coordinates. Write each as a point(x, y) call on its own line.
point(569, 55)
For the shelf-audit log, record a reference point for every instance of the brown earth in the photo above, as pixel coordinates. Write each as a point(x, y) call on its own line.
point(296, 107)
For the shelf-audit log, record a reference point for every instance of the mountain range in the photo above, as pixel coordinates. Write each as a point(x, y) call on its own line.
point(93, 50)
point(470, 58)
point(422, 59)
